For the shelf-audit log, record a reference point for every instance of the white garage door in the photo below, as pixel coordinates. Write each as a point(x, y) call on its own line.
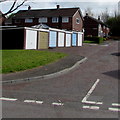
point(79, 39)
point(31, 39)
point(68, 40)
point(60, 39)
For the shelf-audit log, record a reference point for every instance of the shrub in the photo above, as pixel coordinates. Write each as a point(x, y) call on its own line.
point(95, 39)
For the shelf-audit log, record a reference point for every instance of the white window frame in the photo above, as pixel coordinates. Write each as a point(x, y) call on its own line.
point(77, 20)
point(42, 20)
point(65, 19)
point(54, 19)
point(28, 20)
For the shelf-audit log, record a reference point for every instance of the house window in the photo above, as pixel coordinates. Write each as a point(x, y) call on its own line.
point(65, 19)
point(55, 19)
point(42, 20)
point(28, 20)
point(77, 20)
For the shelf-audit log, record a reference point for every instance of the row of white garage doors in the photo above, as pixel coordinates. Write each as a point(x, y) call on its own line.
point(44, 39)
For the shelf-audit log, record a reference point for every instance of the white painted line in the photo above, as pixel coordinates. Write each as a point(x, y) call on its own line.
point(91, 107)
point(29, 101)
point(93, 102)
point(39, 102)
point(115, 104)
point(33, 101)
point(8, 99)
point(59, 104)
point(90, 91)
point(114, 109)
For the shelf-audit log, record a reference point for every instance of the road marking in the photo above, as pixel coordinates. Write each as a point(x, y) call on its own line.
point(33, 101)
point(93, 102)
point(114, 109)
point(29, 101)
point(58, 104)
point(39, 102)
point(89, 93)
point(115, 104)
point(8, 99)
point(91, 107)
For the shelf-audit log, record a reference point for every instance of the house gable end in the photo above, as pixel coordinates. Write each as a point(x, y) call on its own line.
point(77, 21)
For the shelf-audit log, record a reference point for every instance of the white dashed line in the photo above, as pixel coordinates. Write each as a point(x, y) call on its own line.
point(58, 104)
point(39, 102)
point(93, 102)
point(115, 104)
point(114, 109)
point(33, 101)
point(29, 101)
point(8, 99)
point(61, 104)
point(91, 107)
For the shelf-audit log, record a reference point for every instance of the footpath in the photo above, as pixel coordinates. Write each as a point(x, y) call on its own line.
point(48, 71)
point(76, 56)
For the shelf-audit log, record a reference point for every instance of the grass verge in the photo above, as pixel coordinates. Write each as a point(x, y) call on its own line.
point(18, 60)
point(87, 41)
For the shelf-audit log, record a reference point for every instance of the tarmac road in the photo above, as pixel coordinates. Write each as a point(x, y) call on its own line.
point(89, 91)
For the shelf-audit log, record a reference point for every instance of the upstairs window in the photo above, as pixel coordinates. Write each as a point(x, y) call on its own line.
point(65, 19)
point(28, 20)
point(55, 20)
point(77, 20)
point(42, 20)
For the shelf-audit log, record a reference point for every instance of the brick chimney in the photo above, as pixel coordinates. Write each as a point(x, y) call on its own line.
point(98, 17)
point(86, 14)
point(58, 6)
point(29, 7)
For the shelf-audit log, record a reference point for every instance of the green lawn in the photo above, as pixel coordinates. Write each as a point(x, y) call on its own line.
point(18, 60)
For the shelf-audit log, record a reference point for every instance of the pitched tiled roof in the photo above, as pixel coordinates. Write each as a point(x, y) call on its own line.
point(98, 21)
point(46, 13)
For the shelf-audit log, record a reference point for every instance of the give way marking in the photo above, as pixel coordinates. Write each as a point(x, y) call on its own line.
point(89, 93)
point(97, 103)
point(91, 102)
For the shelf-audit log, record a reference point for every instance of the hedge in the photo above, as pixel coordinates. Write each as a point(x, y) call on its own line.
point(95, 39)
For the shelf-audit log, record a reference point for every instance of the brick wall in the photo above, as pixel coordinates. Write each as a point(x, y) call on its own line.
point(75, 26)
point(91, 27)
point(71, 25)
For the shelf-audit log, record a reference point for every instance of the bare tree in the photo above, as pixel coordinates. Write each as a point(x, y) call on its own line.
point(14, 6)
point(2, 1)
point(89, 11)
point(105, 15)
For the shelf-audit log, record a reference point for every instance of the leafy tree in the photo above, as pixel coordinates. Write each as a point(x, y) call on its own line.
point(114, 23)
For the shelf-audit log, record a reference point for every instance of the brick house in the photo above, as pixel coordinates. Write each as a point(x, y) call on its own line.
point(61, 18)
point(95, 27)
point(2, 19)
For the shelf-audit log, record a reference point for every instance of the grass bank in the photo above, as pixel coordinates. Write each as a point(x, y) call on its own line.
point(18, 60)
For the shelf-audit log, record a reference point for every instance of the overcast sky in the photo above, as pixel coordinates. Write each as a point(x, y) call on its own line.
point(97, 6)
